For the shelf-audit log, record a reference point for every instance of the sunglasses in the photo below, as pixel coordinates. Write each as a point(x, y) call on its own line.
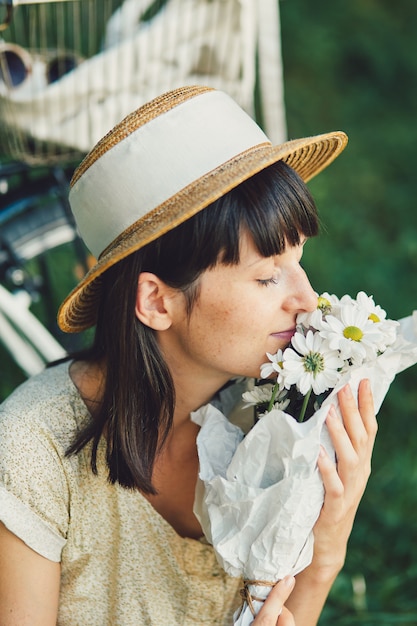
point(16, 65)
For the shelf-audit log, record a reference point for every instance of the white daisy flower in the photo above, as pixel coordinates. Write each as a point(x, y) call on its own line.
point(311, 364)
point(274, 366)
point(326, 304)
point(375, 312)
point(261, 394)
point(281, 402)
point(312, 320)
point(352, 333)
point(377, 315)
point(347, 299)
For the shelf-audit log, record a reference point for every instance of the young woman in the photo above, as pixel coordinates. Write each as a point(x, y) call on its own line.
point(198, 225)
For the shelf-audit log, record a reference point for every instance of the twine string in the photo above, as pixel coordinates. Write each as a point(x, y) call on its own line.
point(247, 596)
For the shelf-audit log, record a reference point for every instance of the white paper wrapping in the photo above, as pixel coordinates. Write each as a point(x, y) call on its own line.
point(259, 496)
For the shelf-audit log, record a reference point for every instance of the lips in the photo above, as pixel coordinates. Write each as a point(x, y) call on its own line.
point(285, 335)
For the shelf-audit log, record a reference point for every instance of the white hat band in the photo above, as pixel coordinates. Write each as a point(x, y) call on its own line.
point(146, 168)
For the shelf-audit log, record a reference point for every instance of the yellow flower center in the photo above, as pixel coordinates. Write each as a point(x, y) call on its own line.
point(353, 332)
point(374, 318)
point(324, 305)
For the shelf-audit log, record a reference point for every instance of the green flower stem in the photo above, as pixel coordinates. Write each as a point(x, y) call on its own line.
point(304, 407)
point(273, 396)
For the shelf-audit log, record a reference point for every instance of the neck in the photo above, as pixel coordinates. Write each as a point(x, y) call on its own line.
point(192, 392)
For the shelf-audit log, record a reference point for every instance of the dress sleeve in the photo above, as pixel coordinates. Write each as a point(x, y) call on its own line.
point(34, 495)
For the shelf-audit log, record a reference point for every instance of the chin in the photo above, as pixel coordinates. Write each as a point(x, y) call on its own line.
point(255, 372)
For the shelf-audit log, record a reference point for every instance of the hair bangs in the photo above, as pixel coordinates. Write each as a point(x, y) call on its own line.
point(277, 209)
point(274, 206)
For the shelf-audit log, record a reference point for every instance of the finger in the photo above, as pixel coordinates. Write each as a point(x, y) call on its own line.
point(359, 417)
point(352, 418)
point(353, 447)
point(345, 447)
point(273, 607)
point(366, 408)
point(332, 483)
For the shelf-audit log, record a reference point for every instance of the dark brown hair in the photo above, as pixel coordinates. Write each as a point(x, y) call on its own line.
point(136, 410)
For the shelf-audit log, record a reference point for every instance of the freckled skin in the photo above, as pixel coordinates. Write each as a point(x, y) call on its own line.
point(236, 318)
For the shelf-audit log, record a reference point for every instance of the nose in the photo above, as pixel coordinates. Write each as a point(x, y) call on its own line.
point(301, 298)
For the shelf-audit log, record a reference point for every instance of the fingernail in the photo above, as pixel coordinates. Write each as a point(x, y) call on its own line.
point(322, 452)
point(347, 391)
point(289, 581)
point(332, 412)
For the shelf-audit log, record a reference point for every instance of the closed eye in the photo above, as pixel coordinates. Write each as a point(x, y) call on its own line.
point(268, 281)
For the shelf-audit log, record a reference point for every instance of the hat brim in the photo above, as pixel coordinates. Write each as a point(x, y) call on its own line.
point(307, 156)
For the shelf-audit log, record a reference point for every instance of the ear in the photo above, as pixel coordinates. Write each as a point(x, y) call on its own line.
point(152, 302)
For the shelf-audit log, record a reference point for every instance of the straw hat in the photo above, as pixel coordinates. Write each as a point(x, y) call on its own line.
point(160, 166)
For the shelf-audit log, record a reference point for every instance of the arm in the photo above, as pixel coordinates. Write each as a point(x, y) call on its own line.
point(344, 486)
point(29, 584)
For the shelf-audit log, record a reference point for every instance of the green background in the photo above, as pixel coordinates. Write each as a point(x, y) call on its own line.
point(352, 65)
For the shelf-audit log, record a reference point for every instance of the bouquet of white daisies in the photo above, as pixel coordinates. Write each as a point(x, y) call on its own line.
point(259, 496)
point(337, 336)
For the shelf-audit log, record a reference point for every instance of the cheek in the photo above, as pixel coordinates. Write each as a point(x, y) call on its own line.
point(233, 317)
point(214, 307)
point(220, 326)
point(219, 323)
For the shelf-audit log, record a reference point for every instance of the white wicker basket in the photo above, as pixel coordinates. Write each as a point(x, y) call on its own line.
point(71, 69)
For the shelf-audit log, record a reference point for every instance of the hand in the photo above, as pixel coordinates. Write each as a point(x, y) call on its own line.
point(344, 483)
point(273, 610)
